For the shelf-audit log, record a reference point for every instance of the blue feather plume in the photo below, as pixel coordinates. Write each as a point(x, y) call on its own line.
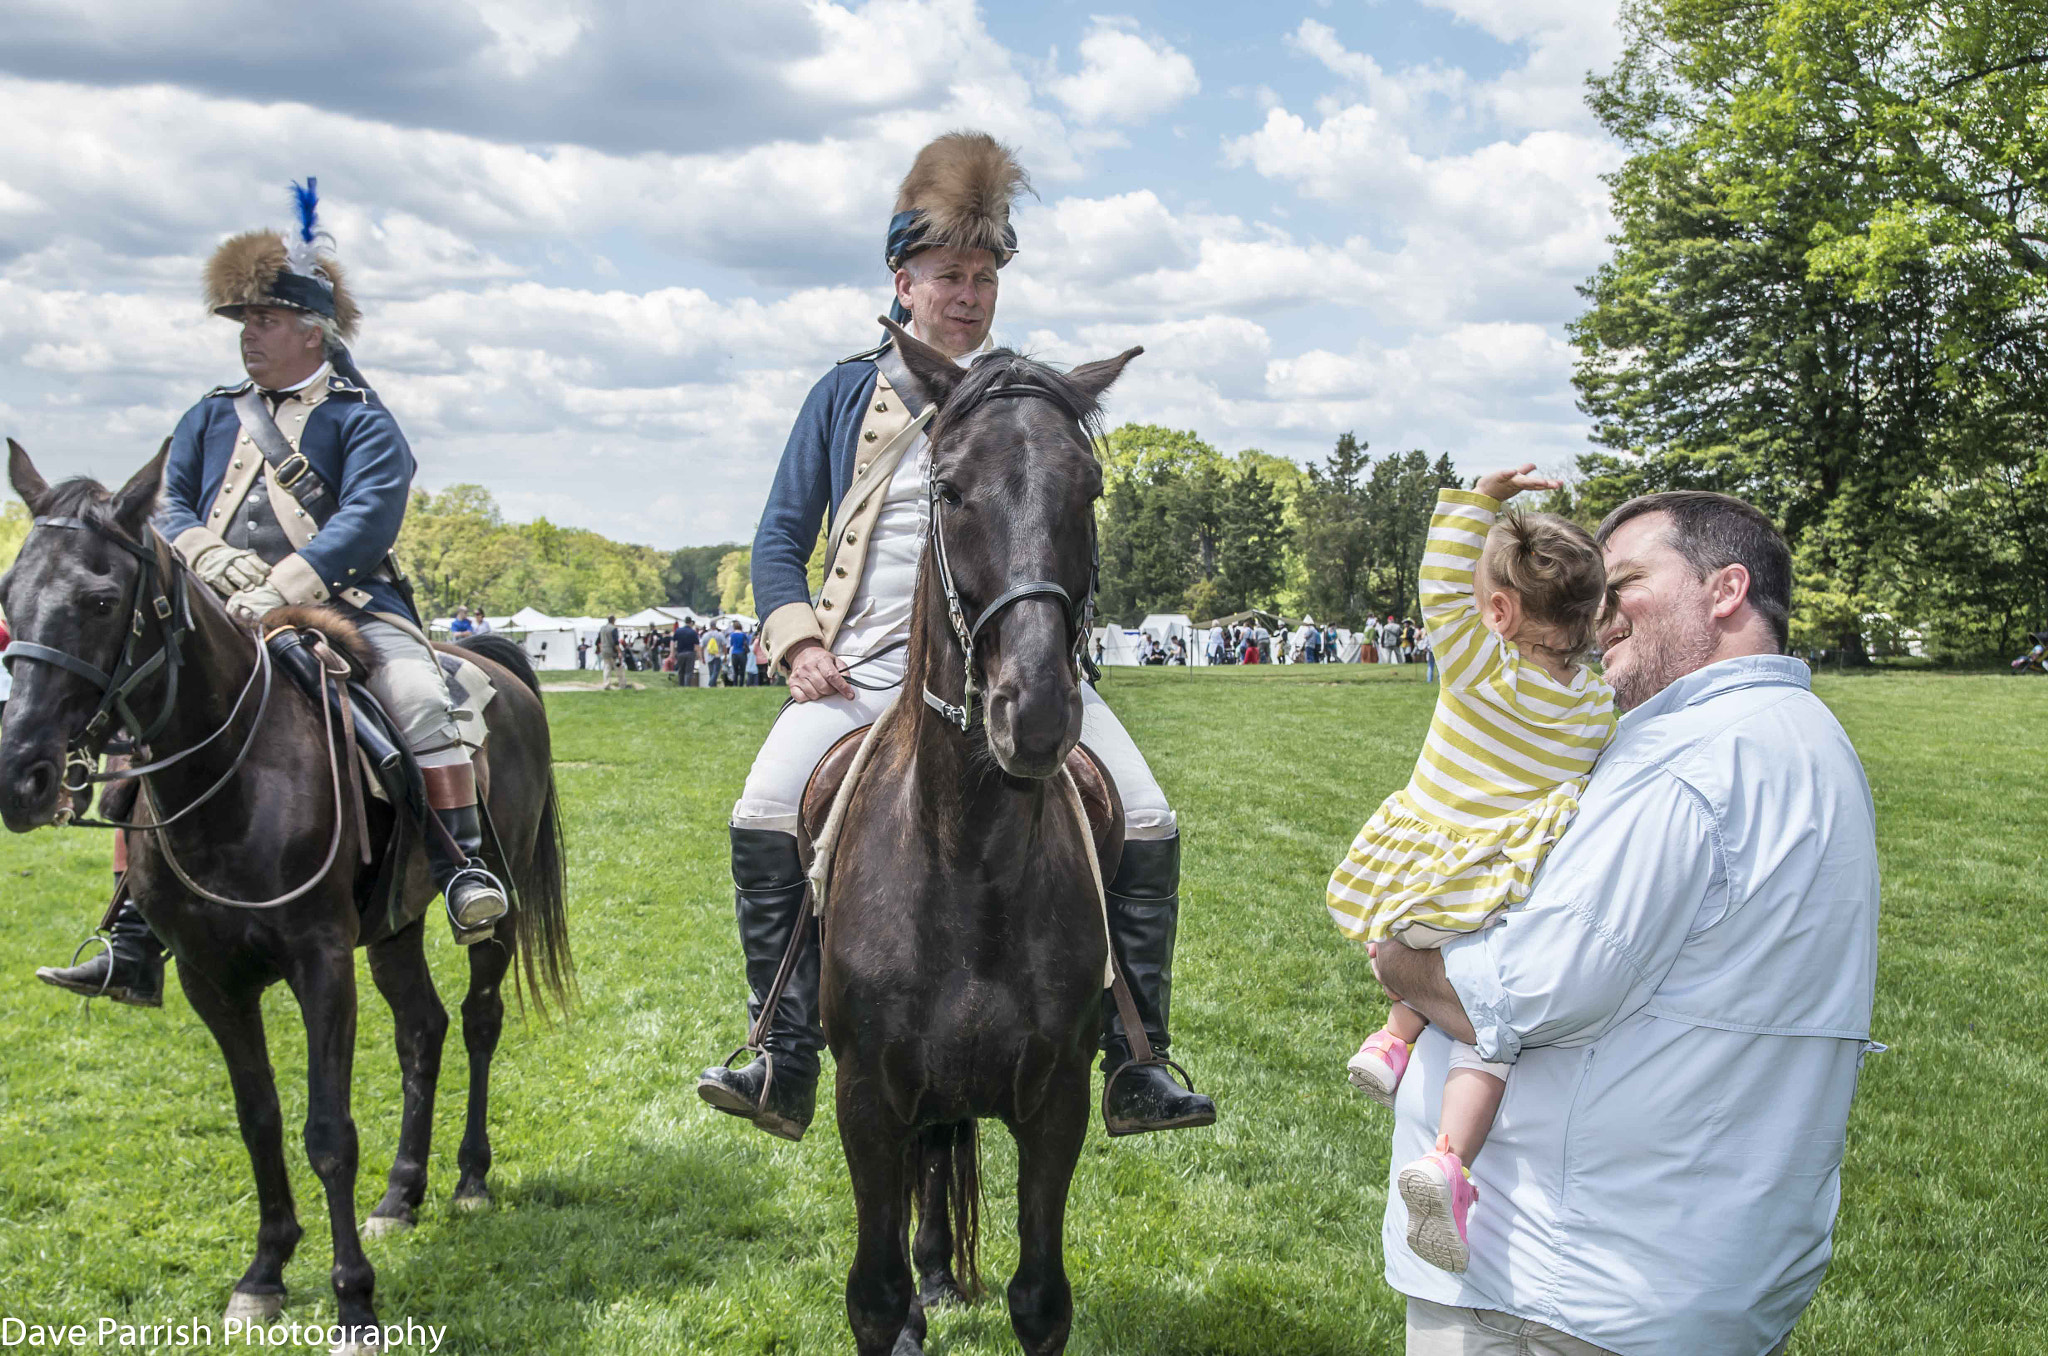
point(307, 199)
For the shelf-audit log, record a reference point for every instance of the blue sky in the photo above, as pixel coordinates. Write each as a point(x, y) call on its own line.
point(605, 247)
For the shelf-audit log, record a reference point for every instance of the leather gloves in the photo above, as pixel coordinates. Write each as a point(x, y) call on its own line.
point(228, 570)
point(255, 601)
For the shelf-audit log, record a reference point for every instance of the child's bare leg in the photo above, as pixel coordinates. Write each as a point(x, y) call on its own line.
point(1471, 1097)
point(1406, 1022)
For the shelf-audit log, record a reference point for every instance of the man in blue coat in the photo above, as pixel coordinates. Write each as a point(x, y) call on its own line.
point(858, 451)
point(289, 488)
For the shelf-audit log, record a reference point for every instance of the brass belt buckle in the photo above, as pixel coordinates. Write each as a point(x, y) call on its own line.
point(291, 470)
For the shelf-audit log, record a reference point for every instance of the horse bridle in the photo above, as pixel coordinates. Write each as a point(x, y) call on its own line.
point(146, 598)
point(1080, 616)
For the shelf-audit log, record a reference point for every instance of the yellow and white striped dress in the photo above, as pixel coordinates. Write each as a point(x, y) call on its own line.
point(1499, 777)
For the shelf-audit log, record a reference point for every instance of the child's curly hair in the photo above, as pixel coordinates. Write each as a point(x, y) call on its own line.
point(1557, 571)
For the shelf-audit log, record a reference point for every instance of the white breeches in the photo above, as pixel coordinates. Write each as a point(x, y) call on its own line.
point(410, 686)
point(806, 732)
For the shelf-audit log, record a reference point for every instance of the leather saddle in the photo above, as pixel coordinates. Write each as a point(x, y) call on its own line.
point(1098, 796)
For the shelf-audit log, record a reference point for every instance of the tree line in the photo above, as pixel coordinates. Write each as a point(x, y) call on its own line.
point(1826, 296)
point(1186, 528)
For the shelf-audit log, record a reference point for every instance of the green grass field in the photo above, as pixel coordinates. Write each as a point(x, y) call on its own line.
point(633, 1219)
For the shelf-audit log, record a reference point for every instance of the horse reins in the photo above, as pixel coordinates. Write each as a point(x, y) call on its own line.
point(1080, 617)
point(171, 610)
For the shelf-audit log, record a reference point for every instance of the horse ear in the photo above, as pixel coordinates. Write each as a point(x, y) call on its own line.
point(1095, 378)
point(28, 482)
point(136, 500)
point(937, 373)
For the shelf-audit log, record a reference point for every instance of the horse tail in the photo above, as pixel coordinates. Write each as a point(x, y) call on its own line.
point(540, 933)
point(963, 1205)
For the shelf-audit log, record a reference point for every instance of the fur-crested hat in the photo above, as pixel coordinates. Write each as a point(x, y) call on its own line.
point(958, 192)
point(263, 268)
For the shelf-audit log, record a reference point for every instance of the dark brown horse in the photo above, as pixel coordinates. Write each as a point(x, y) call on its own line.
point(96, 584)
point(964, 942)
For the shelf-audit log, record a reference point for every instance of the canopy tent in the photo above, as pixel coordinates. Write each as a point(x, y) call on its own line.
point(1273, 620)
point(1118, 645)
point(1165, 626)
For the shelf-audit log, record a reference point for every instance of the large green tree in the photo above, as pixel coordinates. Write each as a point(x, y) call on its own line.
point(1826, 296)
point(1362, 524)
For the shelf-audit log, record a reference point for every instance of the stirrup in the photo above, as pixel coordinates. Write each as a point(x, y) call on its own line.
point(1187, 1080)
point(472, 933)
point(763, 1057)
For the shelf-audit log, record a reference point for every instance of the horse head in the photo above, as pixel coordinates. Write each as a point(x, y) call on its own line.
point(76, 591)
point(1009, 572)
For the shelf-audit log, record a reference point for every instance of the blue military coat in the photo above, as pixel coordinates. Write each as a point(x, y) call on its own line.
point(354, 445)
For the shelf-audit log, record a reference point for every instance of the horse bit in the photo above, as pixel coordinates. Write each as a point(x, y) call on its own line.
point(1080, 616)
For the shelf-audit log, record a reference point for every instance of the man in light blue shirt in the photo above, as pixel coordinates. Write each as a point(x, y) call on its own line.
point(1685, 995)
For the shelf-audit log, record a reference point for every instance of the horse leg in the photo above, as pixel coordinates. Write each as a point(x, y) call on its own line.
point(326, 990)
point(398, 964)
point(1048, 1146)
point(236, 1021)
point(879, 1290)
point(932, 1249)
point(483, 1019)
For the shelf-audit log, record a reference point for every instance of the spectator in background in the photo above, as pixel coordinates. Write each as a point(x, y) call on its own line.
point(759, 653)
point(1312, 646)
point(582, 653)
point(714, 655)
point(1280, 644)
point(1390, 640)
point(686, 654)
point(460, 624)
point(608, 653)
point(736, 647)
point(1408, 631)
point(1179, 652)
point(481, 623)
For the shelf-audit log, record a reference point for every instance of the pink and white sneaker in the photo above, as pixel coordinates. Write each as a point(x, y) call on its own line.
point(1377, 1067)
point(1439, 1195)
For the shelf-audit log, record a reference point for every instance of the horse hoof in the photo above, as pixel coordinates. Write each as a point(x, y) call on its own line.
point(248, 1309)
point(940, 1292)
point(474, 1202)
point(383, 1226)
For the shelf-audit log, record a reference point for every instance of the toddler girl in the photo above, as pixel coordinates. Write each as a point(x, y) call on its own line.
point(1511, 604)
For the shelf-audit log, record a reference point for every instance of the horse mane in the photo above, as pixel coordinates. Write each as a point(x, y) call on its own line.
point(1007, 367)
point(83, 498)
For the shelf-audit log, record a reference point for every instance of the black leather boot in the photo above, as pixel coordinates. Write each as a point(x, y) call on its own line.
point(1144, 911)
point(476, 901)
point(130, 970)
point(770, 899)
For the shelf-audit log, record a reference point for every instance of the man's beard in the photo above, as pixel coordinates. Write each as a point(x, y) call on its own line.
point(1659, 655)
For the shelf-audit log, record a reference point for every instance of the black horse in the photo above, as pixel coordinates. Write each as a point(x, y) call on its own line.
point(94, 584)
point(964, 941)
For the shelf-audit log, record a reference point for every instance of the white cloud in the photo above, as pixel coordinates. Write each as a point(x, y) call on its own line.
point(1125, 77)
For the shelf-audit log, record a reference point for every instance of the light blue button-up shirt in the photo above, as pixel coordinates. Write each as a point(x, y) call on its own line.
point(1686, 998)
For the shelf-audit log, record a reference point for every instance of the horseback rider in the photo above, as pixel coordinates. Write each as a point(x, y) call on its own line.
point(288, 489)
point(859, 452)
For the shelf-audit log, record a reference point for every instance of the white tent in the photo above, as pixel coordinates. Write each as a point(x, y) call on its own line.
point(1118, 645)
point(1164, 626)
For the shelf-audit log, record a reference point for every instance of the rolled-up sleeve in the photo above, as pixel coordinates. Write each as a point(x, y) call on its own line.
point(1602, 925)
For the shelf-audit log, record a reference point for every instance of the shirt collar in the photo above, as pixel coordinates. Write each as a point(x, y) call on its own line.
point(319, 374)
point(1723, 676)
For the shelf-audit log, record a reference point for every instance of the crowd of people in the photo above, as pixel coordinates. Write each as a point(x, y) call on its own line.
point(1393, 641)
point(726, 654)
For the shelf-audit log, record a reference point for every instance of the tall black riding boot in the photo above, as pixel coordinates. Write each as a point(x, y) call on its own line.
point(476, 900)
point(778, 1092)
point(1144, 910)
point(130, 969)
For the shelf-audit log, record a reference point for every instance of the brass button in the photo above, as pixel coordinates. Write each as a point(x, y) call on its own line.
point(840, 571)
point(871, 435)
point(851, 538)
point(825, 606)
point(861, 469)
point(881, 407)
point(238, 463)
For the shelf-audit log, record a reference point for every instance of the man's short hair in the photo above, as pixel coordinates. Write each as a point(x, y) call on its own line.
point(1713, 531)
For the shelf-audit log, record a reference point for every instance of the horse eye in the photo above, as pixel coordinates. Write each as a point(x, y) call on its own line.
point(102, 606)
point(949, 494)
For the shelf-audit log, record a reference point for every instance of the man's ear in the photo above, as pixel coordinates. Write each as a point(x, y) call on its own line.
point(1095, 378)
point(28, 482)
point(934, 371)
point(1728, 590)
point(136, 500)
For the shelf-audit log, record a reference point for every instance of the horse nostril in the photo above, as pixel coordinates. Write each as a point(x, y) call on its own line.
point(38, 782)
